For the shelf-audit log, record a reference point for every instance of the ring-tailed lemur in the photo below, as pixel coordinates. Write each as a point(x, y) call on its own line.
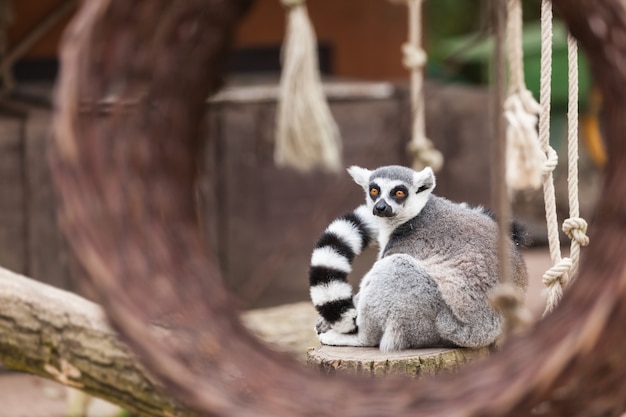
point(436, 267)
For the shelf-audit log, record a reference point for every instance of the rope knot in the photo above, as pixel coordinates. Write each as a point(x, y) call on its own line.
point(576, 229)
point(551, 162)
point(414, 57)
point(555, 279)
point(526, 160)
point(507, 299)
point(424, 154)
point(518, 113)
point(556, 274)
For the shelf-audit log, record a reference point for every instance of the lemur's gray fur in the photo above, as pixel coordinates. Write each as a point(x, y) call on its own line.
point(436, 268)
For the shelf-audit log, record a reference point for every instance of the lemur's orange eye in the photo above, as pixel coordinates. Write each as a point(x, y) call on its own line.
point(400, 193)
point(374, 192)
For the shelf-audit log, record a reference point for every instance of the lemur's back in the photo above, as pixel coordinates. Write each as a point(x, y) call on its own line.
point(458, 247)
point(446, 232)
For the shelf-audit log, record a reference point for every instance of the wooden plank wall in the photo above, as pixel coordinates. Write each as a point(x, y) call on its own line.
point(262, 220)
point(48, 253)
point(266, 219)
point(30, 240)
point(13, 250)
point(270, 217)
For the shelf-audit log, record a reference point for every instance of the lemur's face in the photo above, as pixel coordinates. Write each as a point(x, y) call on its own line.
point(395, 193)
point(387, 197)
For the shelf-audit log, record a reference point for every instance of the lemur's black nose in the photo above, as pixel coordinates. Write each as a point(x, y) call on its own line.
point(382, 209)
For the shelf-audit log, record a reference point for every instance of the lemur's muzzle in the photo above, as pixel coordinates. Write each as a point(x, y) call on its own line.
point(382, 209)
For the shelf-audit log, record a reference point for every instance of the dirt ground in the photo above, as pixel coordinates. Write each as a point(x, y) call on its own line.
point(30, 396)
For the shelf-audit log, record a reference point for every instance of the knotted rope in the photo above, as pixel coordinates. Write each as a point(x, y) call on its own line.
point(523, 152)
point(574, 227)
point(563, 269)
point(556, 277)
point(420, 148)
point(306, 133)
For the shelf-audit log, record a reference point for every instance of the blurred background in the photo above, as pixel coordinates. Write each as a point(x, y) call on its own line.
point(262, 220)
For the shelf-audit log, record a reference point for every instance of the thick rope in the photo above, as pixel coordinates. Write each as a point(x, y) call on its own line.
point(523, 152)
point(575, 227)
point(421, 149)
point(306, 133)
point(564, 269)
point(556, 277)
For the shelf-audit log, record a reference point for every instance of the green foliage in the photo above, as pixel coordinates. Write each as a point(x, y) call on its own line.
point(450, 18)
point(460, 47)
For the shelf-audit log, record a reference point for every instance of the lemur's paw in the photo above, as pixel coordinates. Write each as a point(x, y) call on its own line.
point(329, 338)
point(322, 326)
point(346, 325)
point(334, 338)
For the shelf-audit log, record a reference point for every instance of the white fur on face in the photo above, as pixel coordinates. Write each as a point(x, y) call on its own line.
point(404, 211)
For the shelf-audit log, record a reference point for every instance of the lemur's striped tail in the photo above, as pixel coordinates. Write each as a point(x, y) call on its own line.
point(331, 262)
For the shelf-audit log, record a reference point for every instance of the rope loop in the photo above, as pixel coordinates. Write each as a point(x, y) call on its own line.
point(507, 299)
point(423, 154)
point(576, 229)
point(530, 104)
point(413, 57)
point(556, 274)
point(525, 160)
point(551, 162)
point(517, 114)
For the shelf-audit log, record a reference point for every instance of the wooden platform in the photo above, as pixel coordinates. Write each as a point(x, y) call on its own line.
point(289, 328)
point(371, 361)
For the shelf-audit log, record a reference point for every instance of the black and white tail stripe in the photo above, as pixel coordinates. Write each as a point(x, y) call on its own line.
point(331, 262)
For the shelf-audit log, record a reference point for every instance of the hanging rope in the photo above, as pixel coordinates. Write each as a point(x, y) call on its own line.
point(506, 297)
point(306, 133)
point(421, 149)
point(575, 227)
point(524, 156)
point(556, 277)
point(563, 269)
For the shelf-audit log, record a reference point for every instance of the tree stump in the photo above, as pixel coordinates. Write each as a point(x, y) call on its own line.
point(283, 328)
point(371, 361)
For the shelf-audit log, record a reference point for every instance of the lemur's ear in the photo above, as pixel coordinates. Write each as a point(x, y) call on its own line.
point(424, 180)
point(360, 175)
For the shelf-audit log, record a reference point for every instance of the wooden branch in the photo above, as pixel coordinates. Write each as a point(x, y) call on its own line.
point(61, 336)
